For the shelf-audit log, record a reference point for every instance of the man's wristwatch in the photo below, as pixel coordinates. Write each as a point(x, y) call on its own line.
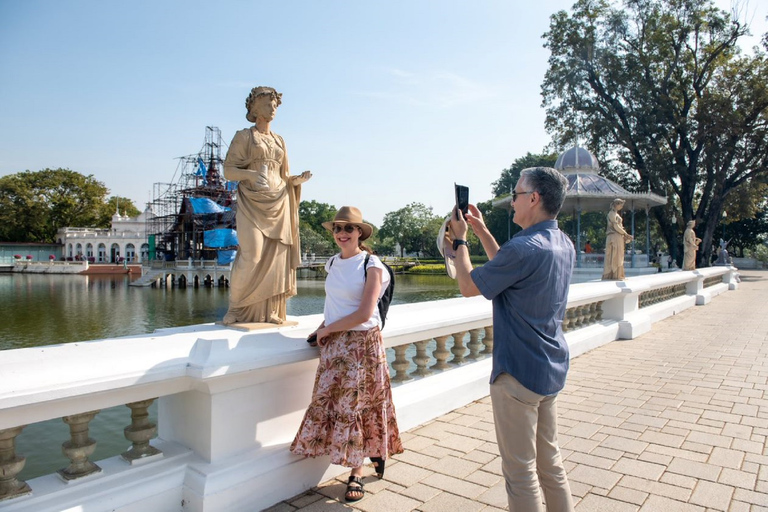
point(457, 243)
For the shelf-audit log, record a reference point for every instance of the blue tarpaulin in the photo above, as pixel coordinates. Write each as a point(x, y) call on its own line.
point(205, 205)
point(202, 170)
point(220, 238)
point(226, 257)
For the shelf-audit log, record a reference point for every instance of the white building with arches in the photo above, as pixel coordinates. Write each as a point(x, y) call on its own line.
point(125, 241)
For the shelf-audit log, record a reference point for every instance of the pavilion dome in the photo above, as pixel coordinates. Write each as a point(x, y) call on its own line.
point(577, 159)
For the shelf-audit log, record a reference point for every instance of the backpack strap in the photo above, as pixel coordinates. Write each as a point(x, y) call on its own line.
point(365, 267)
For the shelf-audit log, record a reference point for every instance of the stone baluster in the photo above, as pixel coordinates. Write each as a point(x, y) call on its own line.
point(139, 432)
point(11, 465)
point(401, 364)
point(488, 340)
point(421, 359)
point(79, 447)
point(599, 309)
point(568, 320)
point(458, 349)
point(581, 319)
point(441, 354)
point(474, 344)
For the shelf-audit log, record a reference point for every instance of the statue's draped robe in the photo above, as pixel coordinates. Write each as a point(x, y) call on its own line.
point(689, 249)
point(264, 270)
point(613, 268)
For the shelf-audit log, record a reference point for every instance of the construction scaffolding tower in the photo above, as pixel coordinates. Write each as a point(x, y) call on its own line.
point(176, 231)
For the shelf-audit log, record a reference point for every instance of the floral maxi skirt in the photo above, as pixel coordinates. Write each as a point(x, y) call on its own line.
point(351, 415)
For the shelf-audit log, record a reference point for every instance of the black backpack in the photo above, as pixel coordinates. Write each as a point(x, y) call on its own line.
point(385, 299)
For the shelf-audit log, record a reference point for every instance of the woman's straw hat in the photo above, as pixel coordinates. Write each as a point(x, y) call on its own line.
point(350, 215)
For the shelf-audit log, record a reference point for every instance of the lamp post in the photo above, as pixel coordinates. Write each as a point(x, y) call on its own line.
point(725, 215)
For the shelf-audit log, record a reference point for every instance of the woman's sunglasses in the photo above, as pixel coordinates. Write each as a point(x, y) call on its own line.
point(347, 228)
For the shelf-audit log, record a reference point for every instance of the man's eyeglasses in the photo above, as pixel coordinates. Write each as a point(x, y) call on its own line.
point(515, 193)
point(347, 228)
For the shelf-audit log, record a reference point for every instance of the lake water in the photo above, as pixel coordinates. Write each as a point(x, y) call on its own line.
point(52, 309)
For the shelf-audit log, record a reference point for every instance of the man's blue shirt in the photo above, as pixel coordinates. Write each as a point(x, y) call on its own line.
point(528, 282)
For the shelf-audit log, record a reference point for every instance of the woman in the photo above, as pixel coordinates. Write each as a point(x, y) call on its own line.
point(264, 270)
point(690, 246)
point(351, 415)
point(615, 237)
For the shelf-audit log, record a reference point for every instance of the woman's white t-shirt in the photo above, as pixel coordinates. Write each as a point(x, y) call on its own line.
point(344, 288)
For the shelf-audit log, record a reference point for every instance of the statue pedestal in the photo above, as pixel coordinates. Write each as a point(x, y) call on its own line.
point(257, 326)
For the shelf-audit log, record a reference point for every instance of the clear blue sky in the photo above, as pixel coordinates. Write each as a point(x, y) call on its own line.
point(386, 102)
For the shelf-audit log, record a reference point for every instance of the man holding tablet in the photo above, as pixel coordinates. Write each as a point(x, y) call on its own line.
point(527, 279)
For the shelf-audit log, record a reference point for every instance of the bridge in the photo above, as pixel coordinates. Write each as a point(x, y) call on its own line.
point(229, 403)
point(197, 273)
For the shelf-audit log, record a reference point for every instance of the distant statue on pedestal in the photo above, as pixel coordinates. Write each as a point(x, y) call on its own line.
point(615, 238)
point(264, 270)
point(690, 246)
point(722, 254)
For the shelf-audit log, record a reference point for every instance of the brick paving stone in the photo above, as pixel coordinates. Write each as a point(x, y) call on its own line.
point(629, 495)
point(593, 503)
point(386, 501)
point(483, 478)
point(726, 458)
point(454, 485)
point(421, 492)
point(479, 456)
point(647, 470)
point(446, 501)
point(662, 504)
point(736, 478)
point(656, 488)
point(662, 439)
point(712, 495)
point(752, 497)
point(591, 460)
point(454, 466)
point(594, 476)
point(495, 496)
point(694, 469)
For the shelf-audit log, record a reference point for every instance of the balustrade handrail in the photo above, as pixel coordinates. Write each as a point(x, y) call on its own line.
point(75, 380)
point(30, 377)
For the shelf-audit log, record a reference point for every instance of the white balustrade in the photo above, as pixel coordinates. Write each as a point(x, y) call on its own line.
point(230, 401)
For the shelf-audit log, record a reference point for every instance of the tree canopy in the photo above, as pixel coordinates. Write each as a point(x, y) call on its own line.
point(34, 205)
point(664, 95)
point(410, 227)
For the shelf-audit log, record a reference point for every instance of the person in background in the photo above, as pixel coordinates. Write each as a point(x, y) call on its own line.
point(587, 248)
point(351, 415)
point(527, 279)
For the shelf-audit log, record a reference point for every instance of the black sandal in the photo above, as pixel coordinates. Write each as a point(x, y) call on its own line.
point(355, 485)
point(378, 463)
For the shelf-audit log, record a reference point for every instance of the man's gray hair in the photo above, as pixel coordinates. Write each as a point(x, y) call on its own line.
point(550, 184)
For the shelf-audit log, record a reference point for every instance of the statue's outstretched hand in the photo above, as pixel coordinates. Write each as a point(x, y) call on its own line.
point(301, 178)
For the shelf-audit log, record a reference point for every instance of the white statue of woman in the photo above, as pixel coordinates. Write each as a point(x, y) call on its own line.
point(264, 270)
point(690, 246)
point(615, 237)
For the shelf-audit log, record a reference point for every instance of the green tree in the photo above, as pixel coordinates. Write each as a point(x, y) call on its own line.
point(665, 97)
point(407, 226)
point(313, 242)
point(509, 176)
point(108, 209)
point(313, 214)
point(34, 205)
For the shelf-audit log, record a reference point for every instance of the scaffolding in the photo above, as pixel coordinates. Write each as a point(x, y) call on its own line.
point(176, 230)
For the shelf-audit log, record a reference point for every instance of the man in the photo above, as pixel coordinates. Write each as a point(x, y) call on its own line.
point(527, 279)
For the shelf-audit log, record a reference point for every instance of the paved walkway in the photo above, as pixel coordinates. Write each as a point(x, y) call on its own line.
point(675, 420)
